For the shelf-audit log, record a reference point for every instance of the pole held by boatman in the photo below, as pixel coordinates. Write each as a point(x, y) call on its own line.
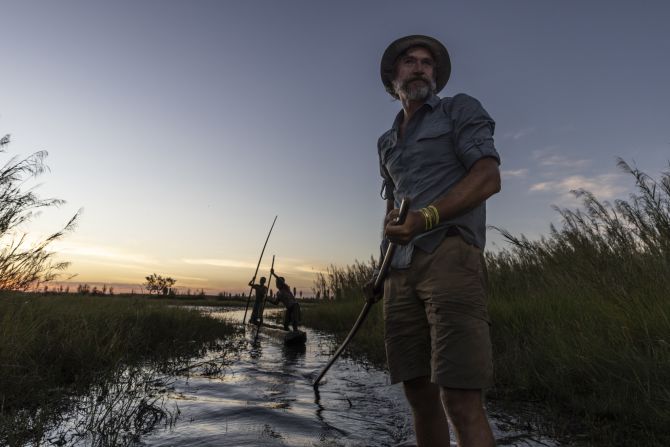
point(439, 153)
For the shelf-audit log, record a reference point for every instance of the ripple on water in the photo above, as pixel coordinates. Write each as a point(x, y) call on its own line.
point(264, 397)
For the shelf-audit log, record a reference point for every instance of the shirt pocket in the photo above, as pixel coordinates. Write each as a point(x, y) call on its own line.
point(435, 143)
point(435, 130)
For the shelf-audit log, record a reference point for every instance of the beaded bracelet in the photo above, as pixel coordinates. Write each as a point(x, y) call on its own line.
point(436, 214)
point(428, 218)
point(431, 216)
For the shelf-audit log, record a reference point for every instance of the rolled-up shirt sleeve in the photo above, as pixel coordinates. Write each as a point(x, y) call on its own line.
point(473, 131)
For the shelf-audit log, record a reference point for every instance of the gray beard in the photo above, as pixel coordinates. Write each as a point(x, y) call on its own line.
point(409, 91)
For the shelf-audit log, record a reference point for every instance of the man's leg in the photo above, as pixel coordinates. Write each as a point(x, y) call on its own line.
point(255, 311)
point(287, 318)
point(430, 421)
point(295, 316)
point(468, 417)
point(461, 354)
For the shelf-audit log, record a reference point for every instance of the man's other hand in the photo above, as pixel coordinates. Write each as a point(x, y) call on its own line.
point(403, 234)
point(369, 292)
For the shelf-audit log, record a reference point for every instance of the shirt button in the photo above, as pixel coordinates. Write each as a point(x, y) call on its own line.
point(478, 141)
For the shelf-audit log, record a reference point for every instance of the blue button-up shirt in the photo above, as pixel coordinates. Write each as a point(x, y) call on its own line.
point(442, 141)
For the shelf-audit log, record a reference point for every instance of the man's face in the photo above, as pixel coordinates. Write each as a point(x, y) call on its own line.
point(415, 74)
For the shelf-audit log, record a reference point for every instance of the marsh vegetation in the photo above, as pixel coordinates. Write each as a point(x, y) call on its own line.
point(581, 317)
point(55, 349)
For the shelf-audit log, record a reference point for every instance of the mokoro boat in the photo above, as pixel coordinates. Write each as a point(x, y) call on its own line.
point(289, 337)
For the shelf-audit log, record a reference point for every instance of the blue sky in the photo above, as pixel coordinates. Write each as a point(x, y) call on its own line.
point(182, 128)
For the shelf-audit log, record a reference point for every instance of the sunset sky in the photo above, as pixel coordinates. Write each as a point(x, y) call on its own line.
point(181, 128)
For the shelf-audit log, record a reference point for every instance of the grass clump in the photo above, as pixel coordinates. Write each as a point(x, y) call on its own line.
point(58, 346)
point(581, 317)
point(338, 315)
point(23, 265)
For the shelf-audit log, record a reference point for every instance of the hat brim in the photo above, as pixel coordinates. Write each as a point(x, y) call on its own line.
point(399, 46)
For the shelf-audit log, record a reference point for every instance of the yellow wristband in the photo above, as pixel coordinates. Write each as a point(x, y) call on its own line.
point(436, 214)
point(427, 218)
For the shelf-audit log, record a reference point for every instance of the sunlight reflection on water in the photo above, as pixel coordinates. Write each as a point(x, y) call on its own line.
point(266, 399)
point(262, 395)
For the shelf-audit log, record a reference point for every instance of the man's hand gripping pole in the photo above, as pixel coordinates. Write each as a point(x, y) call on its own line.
point(377, 286)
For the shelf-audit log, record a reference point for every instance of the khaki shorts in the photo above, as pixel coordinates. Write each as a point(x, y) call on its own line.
point(435, 318)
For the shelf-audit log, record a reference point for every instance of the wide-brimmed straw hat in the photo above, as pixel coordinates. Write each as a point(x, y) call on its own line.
point(399, 46)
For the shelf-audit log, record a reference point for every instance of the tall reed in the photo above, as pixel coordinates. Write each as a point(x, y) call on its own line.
point(55, 346)
point(580, 317)
point(336, 314)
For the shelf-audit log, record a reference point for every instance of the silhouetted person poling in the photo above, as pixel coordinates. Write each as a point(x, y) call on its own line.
point(261, 291)
point(286, 297)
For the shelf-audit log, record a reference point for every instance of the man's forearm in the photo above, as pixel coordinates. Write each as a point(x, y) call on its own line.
point(481, 182)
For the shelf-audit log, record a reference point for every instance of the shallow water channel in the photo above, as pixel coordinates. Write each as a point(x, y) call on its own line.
point(263, 396)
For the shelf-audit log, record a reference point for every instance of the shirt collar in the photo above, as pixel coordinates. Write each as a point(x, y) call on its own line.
point(432, 102)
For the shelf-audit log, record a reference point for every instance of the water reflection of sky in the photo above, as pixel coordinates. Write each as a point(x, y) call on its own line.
point(262, 395)
point(266, 399)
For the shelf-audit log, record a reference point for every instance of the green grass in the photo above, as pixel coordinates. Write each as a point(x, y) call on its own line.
point(52, 347)
point(338, 316)
point(581, 318)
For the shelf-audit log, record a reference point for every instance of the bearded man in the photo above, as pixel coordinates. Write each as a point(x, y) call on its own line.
point(440, 154)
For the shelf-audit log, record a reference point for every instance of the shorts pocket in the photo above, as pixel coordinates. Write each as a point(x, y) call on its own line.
point(458, 303)
point(471, 257)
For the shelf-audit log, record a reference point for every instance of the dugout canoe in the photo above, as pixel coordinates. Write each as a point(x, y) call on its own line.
point(290, 338)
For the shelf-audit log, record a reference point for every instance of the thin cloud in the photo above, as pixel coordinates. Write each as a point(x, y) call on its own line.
point(564, 162)
point(101, 252)
point(604, 186)
point(310, 269)
point(221, 263)
point(188, 278)
point(289, 265)
point(543, 186)
point(110, 264)
point(545, 158)
point(519, 173)
point(519, 133)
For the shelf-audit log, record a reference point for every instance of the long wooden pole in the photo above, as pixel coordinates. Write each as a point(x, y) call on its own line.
point(244, 319)
point(379, 280)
